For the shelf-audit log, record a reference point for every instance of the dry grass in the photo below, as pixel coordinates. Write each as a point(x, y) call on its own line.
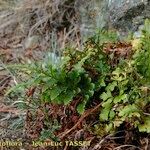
point(55, 22)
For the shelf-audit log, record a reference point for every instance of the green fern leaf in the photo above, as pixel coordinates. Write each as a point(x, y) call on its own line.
point(102, 82)
point(146, 126)
point(55, 91)
point(105, 95)
point(81, 108)
point(104, 115)
point(111, 86)
point(111, 114)
point(107, 103)
point(120, 98)
point(128, 110)
point(67, 97)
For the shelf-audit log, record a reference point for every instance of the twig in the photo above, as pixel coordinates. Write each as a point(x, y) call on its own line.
point(6, 128)
point(87, 113)
point(66, 146)
point(147, 114)
point(11, 74)
point(119, 147)
point(7, 109)
point(4, 86)
point(4, 80)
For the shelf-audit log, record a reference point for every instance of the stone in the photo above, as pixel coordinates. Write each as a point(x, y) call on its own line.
point(124, 15)
point(128, 15)
point(93, 15)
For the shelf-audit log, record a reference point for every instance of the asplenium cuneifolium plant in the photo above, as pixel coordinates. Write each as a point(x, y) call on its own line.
point(89, 75)
point(142, 56)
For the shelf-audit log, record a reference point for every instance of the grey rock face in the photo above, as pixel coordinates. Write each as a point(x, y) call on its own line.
point(124, 15)
point(93, 14)
point(128, 15)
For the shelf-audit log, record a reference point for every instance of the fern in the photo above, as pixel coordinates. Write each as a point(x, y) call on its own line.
point(143, 55)
point(145, 126)
point(88, 76)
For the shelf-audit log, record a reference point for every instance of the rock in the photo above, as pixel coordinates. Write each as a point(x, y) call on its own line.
point(93, 15)
point(138, 33)
point(128, 15)
point(124, 15)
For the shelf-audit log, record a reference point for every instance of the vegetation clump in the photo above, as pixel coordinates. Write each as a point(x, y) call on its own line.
point(109, 80)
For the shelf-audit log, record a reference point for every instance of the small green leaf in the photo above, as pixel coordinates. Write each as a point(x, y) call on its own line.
point(107, 103)
point(86, 75)
point(111, 114)
point(81, 107)
point(55, 91)
point(78, 90)
point(104, 96)
point(89, 80)
point(73, 74)
point(109, 127)
point(120, 98)
point(105, 113)
point(49, 82)
point(68, 97)
point(128, 110)
point(102, 82)
point(111, 86)
point(145, 127)
point(91, 93)
point(92, 86)
point(87, 97)
point(117, 122)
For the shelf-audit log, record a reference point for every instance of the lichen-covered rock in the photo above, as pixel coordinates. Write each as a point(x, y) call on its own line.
point(93, 15)
point(128, 15)
point(123, 15)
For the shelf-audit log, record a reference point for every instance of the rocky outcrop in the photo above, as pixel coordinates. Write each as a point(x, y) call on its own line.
point(93, 14)
point(123, 15)
point(128, 15)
